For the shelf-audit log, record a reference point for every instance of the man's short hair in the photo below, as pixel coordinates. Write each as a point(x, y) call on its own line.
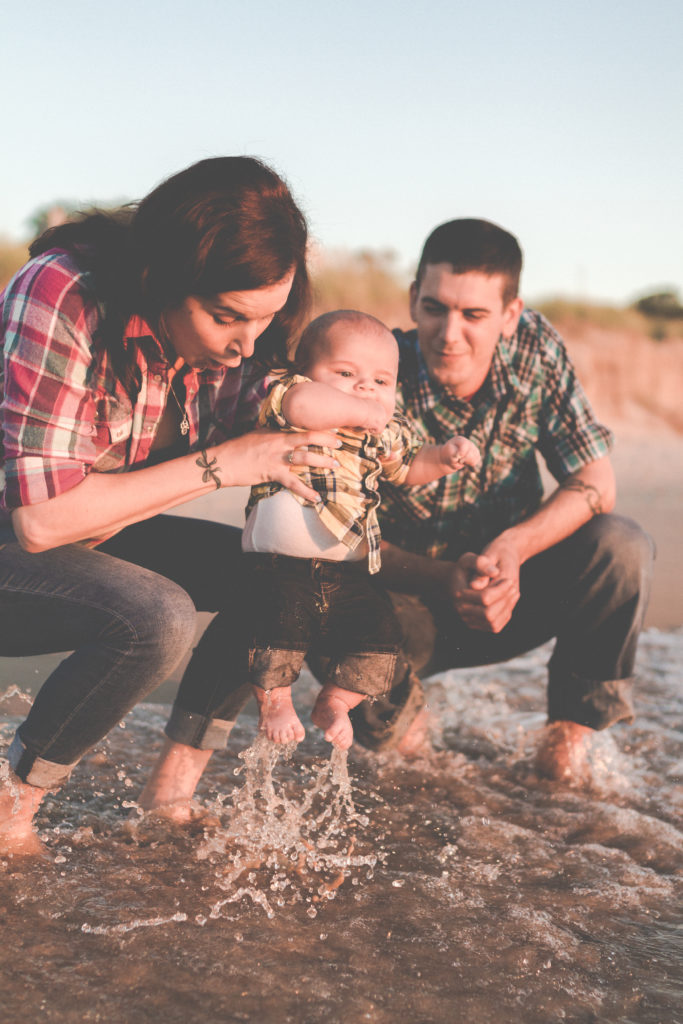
point(472, 244)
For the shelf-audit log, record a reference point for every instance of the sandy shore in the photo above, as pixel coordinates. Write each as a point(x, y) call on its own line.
point(649, 472)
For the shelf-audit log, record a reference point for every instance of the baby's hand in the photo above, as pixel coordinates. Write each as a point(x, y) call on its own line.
point(459, 452)
point(376, 416)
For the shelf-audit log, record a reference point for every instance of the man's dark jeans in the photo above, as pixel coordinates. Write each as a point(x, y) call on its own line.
point(590, 592)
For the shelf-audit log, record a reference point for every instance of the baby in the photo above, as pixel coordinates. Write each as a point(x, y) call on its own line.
point(311, 566)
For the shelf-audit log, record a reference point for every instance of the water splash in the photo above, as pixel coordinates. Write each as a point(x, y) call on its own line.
point(14, 701)
point(130, 926)
point(293, 840)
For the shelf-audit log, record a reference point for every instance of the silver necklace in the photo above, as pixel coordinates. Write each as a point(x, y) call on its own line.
point(184, 421)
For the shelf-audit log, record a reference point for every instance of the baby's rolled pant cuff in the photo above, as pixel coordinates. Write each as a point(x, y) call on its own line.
point(34, 770)
point(198, 731)
point(369, 673)
point(597, 704)
point(273, 667)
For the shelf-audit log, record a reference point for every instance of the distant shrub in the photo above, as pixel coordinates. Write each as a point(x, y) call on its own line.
point(663, 305)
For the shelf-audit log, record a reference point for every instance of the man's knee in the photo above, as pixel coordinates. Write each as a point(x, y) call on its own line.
point(619, 546)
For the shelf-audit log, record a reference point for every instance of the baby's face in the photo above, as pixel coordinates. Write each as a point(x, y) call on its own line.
point(360, 361)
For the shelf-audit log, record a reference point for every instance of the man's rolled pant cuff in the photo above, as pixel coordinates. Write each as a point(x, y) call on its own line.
point(198, 731)
point(381, 724)
point(36, 771)
point(597, 704)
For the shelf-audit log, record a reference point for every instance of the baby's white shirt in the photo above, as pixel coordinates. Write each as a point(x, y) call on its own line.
point(280, 525)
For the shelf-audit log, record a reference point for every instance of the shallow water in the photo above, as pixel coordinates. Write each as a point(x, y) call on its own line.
point(456, 888)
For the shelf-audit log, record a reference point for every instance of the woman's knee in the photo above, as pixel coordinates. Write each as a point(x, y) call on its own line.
point(158, 616)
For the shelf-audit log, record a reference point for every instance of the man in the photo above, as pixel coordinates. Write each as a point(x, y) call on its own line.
point(482, 568)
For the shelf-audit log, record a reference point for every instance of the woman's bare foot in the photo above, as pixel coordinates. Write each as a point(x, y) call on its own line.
point(277, 717)
point(562, 754)
point(18, 805)
point(415, 740)
point(171, 785)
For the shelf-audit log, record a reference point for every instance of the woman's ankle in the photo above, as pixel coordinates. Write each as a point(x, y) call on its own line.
point(174, 777)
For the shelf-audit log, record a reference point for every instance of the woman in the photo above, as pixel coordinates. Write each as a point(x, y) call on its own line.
point(125, 393)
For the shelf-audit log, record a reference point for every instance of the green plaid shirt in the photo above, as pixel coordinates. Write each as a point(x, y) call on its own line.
point(530, 402)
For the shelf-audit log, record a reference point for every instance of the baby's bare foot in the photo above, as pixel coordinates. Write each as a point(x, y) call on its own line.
point(277, 718)
point(331, 715)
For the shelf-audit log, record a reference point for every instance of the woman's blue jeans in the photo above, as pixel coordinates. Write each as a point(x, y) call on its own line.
point(127, 612)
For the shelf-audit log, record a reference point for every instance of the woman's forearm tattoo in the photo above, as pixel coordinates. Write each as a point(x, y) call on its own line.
point(209, 472)
point(590, 493)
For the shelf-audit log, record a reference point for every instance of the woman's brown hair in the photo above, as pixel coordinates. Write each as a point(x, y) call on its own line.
point(223, 224)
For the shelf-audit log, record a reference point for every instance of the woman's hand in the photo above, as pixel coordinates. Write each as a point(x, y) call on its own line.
point(270, 455)
point(103, 503)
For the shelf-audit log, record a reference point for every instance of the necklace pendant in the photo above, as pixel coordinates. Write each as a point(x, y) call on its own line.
point(184, 425)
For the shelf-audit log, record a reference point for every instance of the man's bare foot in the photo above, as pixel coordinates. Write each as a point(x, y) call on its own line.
point(18, 805)
point(562, 754)
point(331, 714)
point(277, 717)
point(170, 787)
point(415, 740)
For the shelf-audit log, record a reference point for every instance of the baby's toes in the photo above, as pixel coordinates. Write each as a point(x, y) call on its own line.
point(340, 734)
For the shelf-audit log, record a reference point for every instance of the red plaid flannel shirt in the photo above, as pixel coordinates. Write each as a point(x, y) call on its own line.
point(62, 412)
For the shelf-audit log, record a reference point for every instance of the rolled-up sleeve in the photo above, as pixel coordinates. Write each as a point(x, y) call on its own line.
point(570, 436)
point(48, 407)
point(401, 444)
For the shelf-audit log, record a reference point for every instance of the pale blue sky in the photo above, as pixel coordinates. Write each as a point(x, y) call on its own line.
point(560, 121)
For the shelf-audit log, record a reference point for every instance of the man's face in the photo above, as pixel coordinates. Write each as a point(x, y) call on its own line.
point(459, 319)
point(359, 361)
point(222, 330)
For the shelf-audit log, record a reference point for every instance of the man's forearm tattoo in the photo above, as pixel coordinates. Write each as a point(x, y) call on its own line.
point(209, 472)
point(590, 493)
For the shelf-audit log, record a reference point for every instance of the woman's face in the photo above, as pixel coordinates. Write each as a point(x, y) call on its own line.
point(222, 330)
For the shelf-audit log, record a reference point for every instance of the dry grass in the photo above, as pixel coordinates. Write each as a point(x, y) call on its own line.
point(368, 281)
point(12, 256)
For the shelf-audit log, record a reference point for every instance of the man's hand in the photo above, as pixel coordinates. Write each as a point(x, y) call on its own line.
point(485, 588)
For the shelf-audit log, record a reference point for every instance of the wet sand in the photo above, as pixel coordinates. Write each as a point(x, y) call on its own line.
point(462, 889)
